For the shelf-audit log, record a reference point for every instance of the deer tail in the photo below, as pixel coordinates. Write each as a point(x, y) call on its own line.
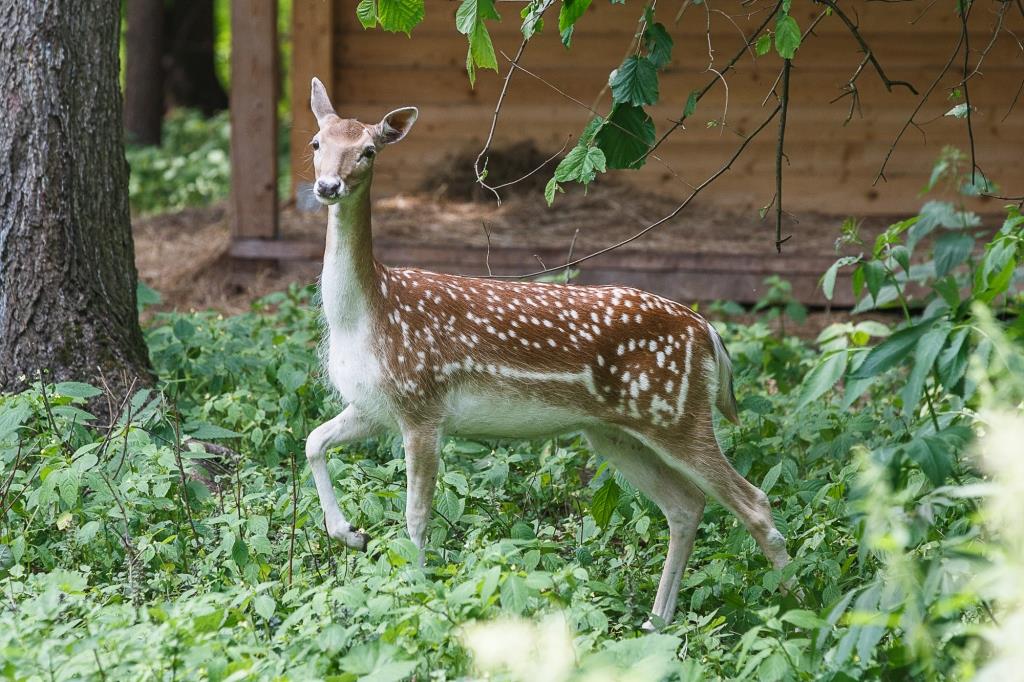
point(725, 399)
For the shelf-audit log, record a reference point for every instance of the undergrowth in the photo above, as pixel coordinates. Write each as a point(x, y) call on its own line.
point(130, 551)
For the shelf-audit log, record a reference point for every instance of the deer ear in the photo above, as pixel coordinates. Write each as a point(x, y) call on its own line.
point(319, 102)
point(395, 125)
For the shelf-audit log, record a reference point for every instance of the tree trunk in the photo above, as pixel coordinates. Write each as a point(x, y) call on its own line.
point(189, 47)
point(144, 74)
point(67, 269)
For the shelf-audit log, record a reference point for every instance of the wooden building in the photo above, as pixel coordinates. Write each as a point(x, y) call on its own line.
point(830, 166)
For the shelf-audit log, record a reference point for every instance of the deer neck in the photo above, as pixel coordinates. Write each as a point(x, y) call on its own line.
point(348, 282)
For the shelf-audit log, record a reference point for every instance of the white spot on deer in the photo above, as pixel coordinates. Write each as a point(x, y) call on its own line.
point(660, 359)
point(552, 343)
point(626, 375)
point(632, 344)
point(600, 361)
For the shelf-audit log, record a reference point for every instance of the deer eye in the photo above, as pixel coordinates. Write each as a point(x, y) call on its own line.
point(315, 144)
point(369, 153)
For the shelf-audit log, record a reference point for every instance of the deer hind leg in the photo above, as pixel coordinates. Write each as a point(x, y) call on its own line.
point(422, 456)
point(348, 426)
point(700, 458)
point(680, 501)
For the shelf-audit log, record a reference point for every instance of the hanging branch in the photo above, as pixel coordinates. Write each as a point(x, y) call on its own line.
point(494, 122)
point(868, 52)
point(720, 75)
point(967, 90)
point(924, 98)
point(678, 209)
point(779, 153)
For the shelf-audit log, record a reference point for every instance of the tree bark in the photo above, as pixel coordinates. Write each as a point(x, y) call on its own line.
point(67, 269)
point(190, 34)
point(144, 73)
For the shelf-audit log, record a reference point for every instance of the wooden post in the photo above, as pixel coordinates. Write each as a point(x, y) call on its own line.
point(312, 55)
point(254, 119)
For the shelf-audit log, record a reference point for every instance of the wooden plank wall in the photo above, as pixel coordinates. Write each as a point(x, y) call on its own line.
point(830, 166)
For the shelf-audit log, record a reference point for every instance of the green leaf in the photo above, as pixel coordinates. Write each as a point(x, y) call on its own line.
point(763, 44)
point(469, 20)
point(76, 389)
point(489, 583)
point(691, 104)
point(874, 277)
point(514, 594)
point(828, 280)
point(635, 82)
point(606, 499)
point(570, 12)
point(582, 165)
point(399, 16)
point(12, 417)
point(933, 455)
point(240, 552)
point(787, 36)
point(808, 620)
point(925, 352)
point(771, 478)
point(451, 506)
point(366, 13)
point(951, 250)
point(333, 638)
point(659, 45)
point(822, 377)
point(204, 431)
point(550, 189)
point(264, 605)
point(626, 136)
point(184, 329)
point(952, 362)
point(892, 350)
point(959, 111)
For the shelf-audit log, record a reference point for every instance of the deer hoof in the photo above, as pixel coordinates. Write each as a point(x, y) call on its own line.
point(358, 540)
point(648, 626)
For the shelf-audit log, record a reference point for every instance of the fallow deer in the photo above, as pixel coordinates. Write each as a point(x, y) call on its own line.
point(430, 355)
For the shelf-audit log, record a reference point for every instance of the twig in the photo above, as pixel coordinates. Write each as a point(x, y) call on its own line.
point(967, 90)
point(572, 245)
point(665, 219)
point(487, 256)
point(784, 104)
point(295, 512)
point(710, 84)
point(855, 32)
point(184, 482)
point(924, 98)
point(546, 162)
point(593, 111)
point(494, 123)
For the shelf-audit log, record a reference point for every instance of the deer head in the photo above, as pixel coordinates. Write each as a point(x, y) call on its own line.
point(344, 149)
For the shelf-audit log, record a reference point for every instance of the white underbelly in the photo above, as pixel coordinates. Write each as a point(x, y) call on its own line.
point(475, 413)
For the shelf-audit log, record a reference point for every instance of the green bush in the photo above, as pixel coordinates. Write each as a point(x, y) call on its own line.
point(122, 555)
point(192, 167)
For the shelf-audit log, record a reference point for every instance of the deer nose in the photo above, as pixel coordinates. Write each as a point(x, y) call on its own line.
point(328, 187)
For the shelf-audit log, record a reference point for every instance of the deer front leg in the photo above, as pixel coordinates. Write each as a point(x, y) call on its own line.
point(346, 427)
point(422, 455)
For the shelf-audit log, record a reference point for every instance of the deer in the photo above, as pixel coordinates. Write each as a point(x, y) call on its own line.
point(429, 355)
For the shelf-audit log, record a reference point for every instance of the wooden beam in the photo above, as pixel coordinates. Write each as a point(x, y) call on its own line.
point(254, 118)
point(683, 277)
point(312, 55)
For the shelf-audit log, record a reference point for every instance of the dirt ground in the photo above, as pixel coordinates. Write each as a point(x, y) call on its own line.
point(183, 255)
